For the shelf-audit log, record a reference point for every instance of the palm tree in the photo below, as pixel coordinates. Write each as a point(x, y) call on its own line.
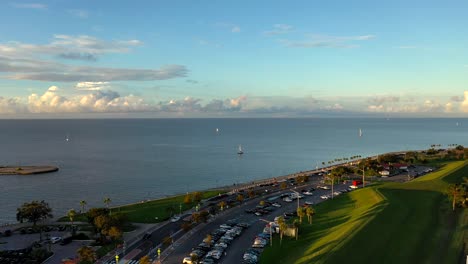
point(82, 204)
point(455, 192)
point(71, 215)
point(310, 212)
point(300, 213)
point(107, 201)
point(296, 225)
point(282, 226)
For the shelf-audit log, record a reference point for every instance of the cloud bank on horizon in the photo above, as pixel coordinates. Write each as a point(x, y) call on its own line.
point(99, 99)
point(97, 58)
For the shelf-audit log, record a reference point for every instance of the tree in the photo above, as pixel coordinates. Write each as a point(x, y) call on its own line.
point(222, 204)
point(145, 260)
point(34, 212)
point(282, 226)
point(86, 254)
point(204, 215)
point(107, 201)
point(310, 212)
point(240, 198)
point(71, 215)
point(455, 192)
point(283, 185)
point(83, 204)
point(296, 225)
point(114, 232)
point(197, 197)
point(300, 213)
point(251, 193)
point(208, 239)
point(196, 217)
point(188, 199)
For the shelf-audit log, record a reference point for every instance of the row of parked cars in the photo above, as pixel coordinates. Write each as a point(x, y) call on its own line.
point(264, 209)
point(210, 250)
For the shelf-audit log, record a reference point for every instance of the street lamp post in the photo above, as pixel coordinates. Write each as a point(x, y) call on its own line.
point(363, 177)
point(271, 235)
point(297, 195)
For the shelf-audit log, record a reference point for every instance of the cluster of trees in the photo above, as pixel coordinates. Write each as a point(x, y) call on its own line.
point(341, 160)
point(302, 178)
point(106, 225)
point(195, 197)
point(301, 213)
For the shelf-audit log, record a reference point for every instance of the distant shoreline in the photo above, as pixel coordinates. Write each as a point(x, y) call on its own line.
point(26, 170)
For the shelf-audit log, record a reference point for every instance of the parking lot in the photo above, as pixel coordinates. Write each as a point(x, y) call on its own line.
point(251, 213)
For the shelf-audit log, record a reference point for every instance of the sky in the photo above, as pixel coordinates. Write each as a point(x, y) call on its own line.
point(233, 58)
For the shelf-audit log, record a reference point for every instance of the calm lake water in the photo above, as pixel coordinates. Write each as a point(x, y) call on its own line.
point(130, 160)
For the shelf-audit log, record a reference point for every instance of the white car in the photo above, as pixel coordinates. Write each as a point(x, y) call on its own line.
point(308, 193)
point(175, 219)
point(221, 244)
point(336, 193)
point(324, 197)
point(325, 187)
point(187, 260)
point(309, 202)
point(54, 240)
point(225, 226)
point(287, 199)
point(276, 205)
point(353, 187)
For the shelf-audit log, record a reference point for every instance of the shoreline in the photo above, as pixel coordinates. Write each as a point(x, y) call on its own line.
point(26, 170)
point(255, 183)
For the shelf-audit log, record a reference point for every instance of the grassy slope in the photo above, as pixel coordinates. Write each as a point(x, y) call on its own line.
point(388, 223)
point(147, 211)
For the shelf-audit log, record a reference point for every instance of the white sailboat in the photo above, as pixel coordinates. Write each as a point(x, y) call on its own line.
point(67, 138)
point(240, 152)
point(360, 132)
point(217, 130)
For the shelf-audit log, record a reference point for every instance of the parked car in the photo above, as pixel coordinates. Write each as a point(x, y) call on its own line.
point(54, 240)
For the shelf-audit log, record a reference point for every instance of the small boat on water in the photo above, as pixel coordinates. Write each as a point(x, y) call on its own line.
point(67, 138)
point(240, 152)
point(217, 130)
point(360, 132)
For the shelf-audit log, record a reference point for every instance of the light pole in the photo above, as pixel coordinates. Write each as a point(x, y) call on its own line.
point(363, 177)
point(297, 195)
point(180, 209)
point(271, 235)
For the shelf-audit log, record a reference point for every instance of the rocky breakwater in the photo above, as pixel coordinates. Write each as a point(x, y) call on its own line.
point(26, 170)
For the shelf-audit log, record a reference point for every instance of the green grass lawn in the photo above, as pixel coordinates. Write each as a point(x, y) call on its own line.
point(386, 223)
point(147, 211)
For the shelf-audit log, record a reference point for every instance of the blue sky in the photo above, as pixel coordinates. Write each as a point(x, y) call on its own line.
point(233, 58)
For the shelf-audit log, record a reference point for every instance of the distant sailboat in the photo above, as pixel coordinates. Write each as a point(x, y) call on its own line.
point(360, 132)
point(240, 152)
point(67, 138)
point(217, 130)
point(457, 123)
